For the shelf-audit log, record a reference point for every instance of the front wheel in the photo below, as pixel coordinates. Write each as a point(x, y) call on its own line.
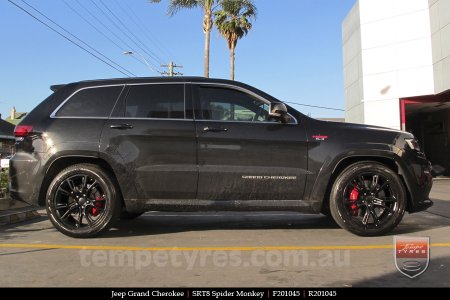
point(368, 199)
point(82, 200)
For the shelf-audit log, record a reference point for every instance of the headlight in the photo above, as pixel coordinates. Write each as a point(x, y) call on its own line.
point(413, 144)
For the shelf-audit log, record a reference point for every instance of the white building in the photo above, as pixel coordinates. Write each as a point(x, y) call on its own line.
point(397, 69)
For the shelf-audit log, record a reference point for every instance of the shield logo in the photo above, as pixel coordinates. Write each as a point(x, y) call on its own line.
point(412, 255)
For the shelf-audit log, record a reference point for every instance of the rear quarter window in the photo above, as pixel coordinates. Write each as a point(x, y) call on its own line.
point(90, 102)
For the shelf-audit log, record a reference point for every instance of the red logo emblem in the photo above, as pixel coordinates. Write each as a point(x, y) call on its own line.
point(320, 137)
point(412, 255)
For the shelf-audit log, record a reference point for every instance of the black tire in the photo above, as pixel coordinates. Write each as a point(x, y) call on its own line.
point(368, 199)
point(83, 200)
point(124, 215)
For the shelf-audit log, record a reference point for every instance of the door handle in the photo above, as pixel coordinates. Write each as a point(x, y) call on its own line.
point(215, 129)
point(121, 126)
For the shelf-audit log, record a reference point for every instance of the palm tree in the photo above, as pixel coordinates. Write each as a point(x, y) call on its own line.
point(208, 7)
point(233, 22)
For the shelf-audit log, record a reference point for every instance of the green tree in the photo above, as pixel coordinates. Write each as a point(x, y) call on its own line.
point(208, 7)
point(233, 22)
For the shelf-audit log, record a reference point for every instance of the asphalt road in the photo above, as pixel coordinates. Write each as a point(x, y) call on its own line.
point(223, 250)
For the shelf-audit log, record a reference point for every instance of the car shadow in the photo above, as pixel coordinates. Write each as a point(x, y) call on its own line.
point(154, 223)
point(21, 229)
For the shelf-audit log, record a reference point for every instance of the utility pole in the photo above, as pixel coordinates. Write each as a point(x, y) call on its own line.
point(171, 66)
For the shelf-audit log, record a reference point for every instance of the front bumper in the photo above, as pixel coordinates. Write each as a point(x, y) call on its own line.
point(416, 173)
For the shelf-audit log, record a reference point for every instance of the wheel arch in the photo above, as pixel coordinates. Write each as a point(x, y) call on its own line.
point(63, 162)
point(390, 162)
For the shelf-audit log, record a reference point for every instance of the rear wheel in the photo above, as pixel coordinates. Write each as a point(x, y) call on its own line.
point(368, 199)
point(82, 200)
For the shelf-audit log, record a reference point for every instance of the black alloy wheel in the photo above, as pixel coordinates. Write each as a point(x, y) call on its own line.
point(82, 200)
point(368, 199)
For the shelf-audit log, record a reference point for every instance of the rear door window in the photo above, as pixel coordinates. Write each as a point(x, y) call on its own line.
point(94, 102)
point(156, 101)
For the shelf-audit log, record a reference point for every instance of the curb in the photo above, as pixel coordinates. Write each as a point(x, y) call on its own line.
point(13, 216)
point(441, 178)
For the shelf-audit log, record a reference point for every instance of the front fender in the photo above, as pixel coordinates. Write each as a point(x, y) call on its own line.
point(322, 175)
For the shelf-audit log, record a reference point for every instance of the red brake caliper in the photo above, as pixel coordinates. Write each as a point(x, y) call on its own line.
point(99, 204)
point(353, 198)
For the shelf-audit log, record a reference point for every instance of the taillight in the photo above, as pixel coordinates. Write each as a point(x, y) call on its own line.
point(22, 130)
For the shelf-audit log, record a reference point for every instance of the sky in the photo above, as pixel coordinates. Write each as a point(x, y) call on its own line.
point(293, 52)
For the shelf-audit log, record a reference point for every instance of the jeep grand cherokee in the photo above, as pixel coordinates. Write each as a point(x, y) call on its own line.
point(96, 151)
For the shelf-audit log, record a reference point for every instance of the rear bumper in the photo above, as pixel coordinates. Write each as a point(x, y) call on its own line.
point(25, 178)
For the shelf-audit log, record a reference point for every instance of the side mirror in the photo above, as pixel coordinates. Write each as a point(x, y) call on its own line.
point(279, 112)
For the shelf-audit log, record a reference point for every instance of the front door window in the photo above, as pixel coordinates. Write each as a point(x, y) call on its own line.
point(221, 104)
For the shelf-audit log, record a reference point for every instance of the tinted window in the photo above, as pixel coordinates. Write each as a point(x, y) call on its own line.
point(231, 105)
point(91, 102)
point(155, 101)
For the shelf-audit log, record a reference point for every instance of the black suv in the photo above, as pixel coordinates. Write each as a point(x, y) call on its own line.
point(97, 151)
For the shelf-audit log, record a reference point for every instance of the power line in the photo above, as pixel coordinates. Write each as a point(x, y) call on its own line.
point(131, 31)
point(120, 29)
point(66, 37)
point(99, 21)
point(151, 54)
point(144, 60)
point(92, 25)
point(122, 49)
point(107, 29)
point(103, 24)
point(144, 29)
point(314, 106)
point(62, 28)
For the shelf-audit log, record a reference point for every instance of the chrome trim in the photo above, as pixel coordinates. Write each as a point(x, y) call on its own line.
point(235, 88)
point(293, 118)
point(249, 122)
point(53, 114)
point(157, 119)
point(91, 118)
point(151, 83)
